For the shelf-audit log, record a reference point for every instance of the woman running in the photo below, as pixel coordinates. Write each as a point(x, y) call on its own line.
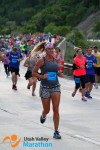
point(50, 87)
point(79, 73)
point(30, 64)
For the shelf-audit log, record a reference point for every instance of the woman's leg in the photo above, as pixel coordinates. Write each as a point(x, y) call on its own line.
point(46, 106)
point(77, 85)
point(34, 86)
point(30, 83)
point(83, 80)
point(55, 102)
point(45, 98)
point(5, 67)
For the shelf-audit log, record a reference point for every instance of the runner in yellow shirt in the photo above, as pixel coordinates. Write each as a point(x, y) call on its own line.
point(97, 69)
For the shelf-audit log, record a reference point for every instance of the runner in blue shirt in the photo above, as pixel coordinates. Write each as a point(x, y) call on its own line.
point(14, 57)
point(90, 72)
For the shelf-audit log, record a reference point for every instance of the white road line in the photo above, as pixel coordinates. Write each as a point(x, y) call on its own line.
point(87, 139)
point(82, 138)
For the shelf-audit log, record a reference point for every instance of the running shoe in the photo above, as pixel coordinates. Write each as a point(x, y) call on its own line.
point(86, 94)
point(84, 99)
point(89, 97)
point(18, 75)
point(95, 86)
point(28, 86)
point(14, 87)
point(42, 119)
point(33, 94)
point(8, 73)
point(56, 135)
point(80, 90)
point(73, 94)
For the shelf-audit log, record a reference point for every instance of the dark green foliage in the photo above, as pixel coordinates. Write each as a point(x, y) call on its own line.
point(97, 26)
point(38, 15)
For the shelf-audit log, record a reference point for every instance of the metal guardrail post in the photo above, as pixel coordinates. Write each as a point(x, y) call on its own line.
point(68, 69)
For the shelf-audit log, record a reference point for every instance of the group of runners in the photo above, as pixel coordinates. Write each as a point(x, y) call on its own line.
point(47, 69)
point(86, 72)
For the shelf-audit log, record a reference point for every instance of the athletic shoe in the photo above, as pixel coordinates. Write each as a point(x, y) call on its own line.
point(18, 75)
point(28, 86)
point(8, 73)
point(96, 86)
point(84, 99)
point(80, 90)
point(56, 135)
point(89, 97)
point(33, 94)
point(14, 87)
point(42, 119)
point(86, 94)
point(73, 94)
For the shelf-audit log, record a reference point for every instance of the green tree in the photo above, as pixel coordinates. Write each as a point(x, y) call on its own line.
point(77, 38)
point(50, 28)
point(97, 26)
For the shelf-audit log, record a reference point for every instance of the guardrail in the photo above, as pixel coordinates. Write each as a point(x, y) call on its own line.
point(68, 69)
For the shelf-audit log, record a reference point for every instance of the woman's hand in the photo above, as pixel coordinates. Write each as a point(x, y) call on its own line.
point(45, 76)
point(61, 74)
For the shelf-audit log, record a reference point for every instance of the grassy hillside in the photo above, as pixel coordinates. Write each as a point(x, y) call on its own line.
point(57, 16)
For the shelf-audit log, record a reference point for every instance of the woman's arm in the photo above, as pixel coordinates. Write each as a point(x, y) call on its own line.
point(26, 64)
point(38, 65)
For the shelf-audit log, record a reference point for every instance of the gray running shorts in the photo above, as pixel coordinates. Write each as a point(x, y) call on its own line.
point(46, 92)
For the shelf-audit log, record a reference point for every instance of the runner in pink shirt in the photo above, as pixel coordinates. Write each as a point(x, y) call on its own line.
point(79, 73)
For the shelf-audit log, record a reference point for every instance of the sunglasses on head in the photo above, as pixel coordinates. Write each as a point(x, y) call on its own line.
point(49, 48)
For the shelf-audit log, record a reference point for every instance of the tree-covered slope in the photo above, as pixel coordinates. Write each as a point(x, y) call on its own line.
point(57, 16)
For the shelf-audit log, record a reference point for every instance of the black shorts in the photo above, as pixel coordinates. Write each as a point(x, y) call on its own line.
point(80, 80)
point(28, 75)
point(90, 78)
point(14, 70)
point(97, 71)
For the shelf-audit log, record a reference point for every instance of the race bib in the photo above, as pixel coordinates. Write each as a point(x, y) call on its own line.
point(89, 65)
point(14, 60)
point(77, 80)
point(52, 76)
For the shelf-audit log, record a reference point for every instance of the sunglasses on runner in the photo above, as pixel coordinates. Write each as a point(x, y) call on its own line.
point(50, 48)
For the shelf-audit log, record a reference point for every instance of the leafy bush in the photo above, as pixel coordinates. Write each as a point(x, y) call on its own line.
point(97, 26)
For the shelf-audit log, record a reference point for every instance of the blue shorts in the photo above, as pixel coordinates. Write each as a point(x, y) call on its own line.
point(90, 78)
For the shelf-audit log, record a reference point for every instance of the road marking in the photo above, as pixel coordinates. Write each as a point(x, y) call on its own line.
point(87, 139)
point(8, 112)
point(82, 138)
